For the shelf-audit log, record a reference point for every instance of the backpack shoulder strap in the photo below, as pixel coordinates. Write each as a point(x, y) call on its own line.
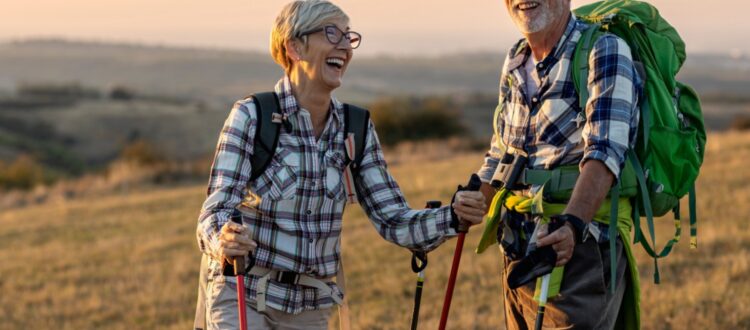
point(266, 132)
point(580, 62)
point(357, 121)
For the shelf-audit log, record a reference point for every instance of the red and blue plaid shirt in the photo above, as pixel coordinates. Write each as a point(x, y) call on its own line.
point(550, 126)
point(297, 203)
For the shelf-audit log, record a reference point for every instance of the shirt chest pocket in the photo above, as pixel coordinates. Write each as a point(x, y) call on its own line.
point(279, 181)
point(335, 163)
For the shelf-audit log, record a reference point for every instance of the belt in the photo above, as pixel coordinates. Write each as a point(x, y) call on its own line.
point(287, 277)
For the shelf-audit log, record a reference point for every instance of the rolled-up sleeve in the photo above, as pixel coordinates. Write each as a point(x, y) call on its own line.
point(230, 173)
point(491, 159)
point(611, 110)
point(384, 203)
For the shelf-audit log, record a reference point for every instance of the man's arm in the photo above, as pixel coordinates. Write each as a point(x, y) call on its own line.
point(590, 191)
point(611, 118)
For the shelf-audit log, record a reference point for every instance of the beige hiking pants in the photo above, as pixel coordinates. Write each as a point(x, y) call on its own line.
point(222, 313)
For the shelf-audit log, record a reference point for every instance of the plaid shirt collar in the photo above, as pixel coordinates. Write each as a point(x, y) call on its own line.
point(521, 52)
point(289, 105)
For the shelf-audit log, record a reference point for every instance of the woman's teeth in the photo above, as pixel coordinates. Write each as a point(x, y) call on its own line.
point(337, 62)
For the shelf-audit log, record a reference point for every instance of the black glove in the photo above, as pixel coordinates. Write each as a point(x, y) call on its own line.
point(538, 262)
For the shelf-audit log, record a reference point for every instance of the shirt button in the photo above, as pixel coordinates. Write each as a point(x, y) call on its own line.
point(314, 184)
point(535, 99)
point(308, 212)
point(540, 65)
point(310, 240)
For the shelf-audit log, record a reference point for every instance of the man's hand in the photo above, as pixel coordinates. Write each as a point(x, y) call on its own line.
point(470, 206)
point(234, 241)
point(562, 241)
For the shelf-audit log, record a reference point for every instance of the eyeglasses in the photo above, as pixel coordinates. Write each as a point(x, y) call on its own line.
point(335, 35)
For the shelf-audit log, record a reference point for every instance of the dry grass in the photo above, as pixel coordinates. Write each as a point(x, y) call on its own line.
point(129, 261)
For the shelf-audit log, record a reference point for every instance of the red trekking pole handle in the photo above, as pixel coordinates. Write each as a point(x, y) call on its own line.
point(463, 228)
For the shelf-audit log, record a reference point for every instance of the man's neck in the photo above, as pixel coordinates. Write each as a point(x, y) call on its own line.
point(544, 41)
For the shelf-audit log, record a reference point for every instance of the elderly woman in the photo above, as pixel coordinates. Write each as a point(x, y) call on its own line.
point(291, 213)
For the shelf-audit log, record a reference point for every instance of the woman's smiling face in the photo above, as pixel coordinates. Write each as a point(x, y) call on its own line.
point(322, 62)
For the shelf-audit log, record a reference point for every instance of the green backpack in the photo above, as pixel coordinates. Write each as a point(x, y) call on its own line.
point(671, 136)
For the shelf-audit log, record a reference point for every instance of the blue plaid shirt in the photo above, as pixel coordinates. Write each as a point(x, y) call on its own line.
point(550, 126)
point(295, 206)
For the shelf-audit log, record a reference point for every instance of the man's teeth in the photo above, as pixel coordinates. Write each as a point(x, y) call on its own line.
point(335, 61)
point(527, 5)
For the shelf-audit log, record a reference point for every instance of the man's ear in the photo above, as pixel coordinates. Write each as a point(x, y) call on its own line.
point(293, 49)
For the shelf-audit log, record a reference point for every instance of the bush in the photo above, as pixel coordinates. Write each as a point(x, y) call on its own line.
point(64, 91)
point(413, 119)
point(120, 93)
point(741, 123)
point(141, 152)
point(23, 173)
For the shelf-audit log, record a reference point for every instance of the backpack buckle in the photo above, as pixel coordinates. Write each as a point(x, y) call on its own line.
point(287, 277)
point(509, 171)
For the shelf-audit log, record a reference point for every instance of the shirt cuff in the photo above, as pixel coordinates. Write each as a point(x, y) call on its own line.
point(605, 155)
point(487, 170)
point(208, 236)
point(443, 221)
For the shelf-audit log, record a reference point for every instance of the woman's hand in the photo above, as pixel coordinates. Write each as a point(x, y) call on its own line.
point(470, 206)
point(234, 241)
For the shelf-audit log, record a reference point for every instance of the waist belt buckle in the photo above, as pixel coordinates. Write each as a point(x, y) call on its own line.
point(287, 278)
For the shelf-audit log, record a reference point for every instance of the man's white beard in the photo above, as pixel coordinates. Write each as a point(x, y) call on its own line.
point(535, 25)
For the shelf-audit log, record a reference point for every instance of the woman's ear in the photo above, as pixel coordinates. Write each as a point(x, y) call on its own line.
point(293, 48)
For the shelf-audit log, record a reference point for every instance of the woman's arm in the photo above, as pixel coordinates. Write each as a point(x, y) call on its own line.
point(230, 173)
point(384, 203)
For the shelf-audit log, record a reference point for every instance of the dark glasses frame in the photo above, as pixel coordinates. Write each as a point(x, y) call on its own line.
point(355, 39)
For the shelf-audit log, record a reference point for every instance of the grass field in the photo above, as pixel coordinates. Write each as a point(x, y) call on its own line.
point(129, 261)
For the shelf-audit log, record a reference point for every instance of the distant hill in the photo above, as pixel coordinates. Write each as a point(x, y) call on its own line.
point(185, 94)
point(229, 74)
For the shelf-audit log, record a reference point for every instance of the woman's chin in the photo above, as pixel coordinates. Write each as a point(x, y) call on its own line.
point(333, 82)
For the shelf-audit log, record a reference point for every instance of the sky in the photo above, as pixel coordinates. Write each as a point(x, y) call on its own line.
point(393, 27)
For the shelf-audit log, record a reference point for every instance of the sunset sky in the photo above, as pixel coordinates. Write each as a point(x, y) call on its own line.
point(393, 27)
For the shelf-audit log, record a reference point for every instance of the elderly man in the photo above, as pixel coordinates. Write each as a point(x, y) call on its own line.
point(539, 117)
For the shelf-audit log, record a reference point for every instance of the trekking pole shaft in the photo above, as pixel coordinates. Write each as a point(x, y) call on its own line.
point(452, 280)
point(417, 301)
point(241, 301)
point(238, 264)
point(542, 302)
point(239, 269)
point(474, 184)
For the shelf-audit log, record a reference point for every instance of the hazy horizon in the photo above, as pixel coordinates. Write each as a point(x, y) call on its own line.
point(436, 27)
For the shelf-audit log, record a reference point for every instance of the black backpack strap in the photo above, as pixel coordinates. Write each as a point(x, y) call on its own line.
point(266, 132)
point(357, 121)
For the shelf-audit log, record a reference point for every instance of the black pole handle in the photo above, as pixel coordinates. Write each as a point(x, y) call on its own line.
point(238, 262)
point(474, 184)
point(418, 261)
point(237, 266)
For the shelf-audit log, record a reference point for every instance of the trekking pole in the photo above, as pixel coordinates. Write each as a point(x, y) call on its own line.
point(418, 265)
point(463, 228)
point(542, 302)
point(238, 264)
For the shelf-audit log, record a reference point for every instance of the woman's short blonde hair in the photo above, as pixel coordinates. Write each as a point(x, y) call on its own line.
point(298, 17)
